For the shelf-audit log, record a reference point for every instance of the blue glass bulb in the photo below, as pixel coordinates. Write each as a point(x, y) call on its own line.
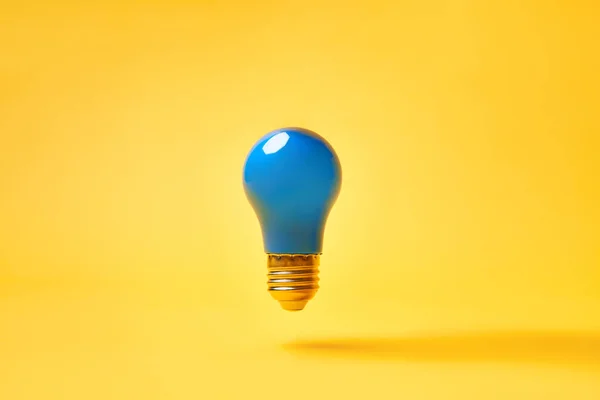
point(292, 178)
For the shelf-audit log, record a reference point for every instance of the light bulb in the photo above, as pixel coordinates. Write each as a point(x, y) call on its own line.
point(292, 178)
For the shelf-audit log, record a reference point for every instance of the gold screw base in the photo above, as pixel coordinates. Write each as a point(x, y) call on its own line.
point(293, 279)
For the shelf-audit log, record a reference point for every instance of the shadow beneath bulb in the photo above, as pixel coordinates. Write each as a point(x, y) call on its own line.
point(533, 347)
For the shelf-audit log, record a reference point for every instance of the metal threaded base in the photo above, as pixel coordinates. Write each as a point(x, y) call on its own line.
point(293, 279)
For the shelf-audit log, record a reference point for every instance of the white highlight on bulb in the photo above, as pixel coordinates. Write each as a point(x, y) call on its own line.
point(276, 143)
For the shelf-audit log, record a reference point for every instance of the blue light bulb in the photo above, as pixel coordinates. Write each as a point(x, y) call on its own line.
point(292, 178)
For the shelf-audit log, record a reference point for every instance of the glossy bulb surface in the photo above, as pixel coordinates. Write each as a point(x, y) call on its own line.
point(292, 178)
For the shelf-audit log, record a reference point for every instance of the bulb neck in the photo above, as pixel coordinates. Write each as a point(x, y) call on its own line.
point(293, 279)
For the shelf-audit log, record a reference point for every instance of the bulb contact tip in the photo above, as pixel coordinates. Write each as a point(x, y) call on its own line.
point(293, 279)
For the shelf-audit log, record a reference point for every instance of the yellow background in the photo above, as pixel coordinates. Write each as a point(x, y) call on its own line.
point(461, 259)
